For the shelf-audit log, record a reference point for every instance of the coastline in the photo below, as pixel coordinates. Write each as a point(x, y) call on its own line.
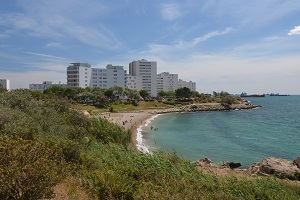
point(134, 121)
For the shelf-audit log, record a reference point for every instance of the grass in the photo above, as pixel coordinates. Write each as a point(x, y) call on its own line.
point(100, 162)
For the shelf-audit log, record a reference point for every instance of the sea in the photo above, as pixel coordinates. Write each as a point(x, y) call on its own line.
point(244, 136)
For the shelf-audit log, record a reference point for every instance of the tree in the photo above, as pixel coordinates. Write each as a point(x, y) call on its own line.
point(55, 90)
point(195, 94)
point(162, 94)
point(118, 91)
point(183, 93)
point(109, 93)
point(144, 94)
point(2, 89)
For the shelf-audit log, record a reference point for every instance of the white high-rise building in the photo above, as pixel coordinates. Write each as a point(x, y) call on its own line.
point(134, 82)
point(109, 77)
point(5, 84)
point(167, 82)
point(81, 75)
point(191, 85)
point(148, 71)
point(45, 85)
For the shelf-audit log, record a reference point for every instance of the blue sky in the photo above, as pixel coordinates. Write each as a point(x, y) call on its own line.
point(230, 45)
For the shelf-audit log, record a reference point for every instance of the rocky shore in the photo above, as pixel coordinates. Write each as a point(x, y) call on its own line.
point(209, 107)
point(278, 167)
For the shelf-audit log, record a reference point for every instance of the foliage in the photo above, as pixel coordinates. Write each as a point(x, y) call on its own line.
point(144, 94)
point(183, 92)
point(29, 170)
point(43, 140)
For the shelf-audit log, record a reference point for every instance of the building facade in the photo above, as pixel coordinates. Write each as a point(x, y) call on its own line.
point(81, 75)
point(134, 82)
point(147, 70)
point(110, 77)
point(5, 84)
point(45, 85)
point(191, 85)
point(167, 82)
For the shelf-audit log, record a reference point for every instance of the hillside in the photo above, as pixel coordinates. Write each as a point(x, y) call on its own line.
point(50, 150)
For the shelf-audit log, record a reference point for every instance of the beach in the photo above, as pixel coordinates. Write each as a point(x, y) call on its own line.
point(135, 120)
point(132, 121)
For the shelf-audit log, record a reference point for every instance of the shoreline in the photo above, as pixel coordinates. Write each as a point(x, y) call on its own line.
point(134, 121)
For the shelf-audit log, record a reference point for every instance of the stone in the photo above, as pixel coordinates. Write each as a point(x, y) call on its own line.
point(205, 162)
point(297, 162)
point(279, 167)
point(232, 165)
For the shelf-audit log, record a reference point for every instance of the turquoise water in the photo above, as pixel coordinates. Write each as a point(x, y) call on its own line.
point(244, 136)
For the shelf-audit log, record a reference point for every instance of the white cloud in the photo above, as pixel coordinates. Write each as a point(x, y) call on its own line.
point(170, 12)
point(295, 31)
point(211, 34)
point(58, 20)
point(53, 45)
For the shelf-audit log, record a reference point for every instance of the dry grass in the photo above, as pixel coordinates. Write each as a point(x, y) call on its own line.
point(70, 189)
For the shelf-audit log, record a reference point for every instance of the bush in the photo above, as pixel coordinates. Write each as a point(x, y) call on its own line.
point(29, 170)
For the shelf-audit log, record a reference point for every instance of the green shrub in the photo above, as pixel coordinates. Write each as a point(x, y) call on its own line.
point(29, 170)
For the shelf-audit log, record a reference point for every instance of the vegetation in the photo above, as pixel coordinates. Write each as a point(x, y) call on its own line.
point(44, 142)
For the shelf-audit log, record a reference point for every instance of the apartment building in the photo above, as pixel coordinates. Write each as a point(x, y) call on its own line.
point(79, 75)
point(45, 85)
point(148, 71)
point(83, 75)
point(5, 84)
point(191, 85)
point(134, 82)
point(167, 82)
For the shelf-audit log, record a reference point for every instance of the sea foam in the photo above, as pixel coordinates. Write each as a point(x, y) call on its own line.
point(141, 146)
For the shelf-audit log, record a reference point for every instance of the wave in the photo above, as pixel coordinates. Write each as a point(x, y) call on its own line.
point(141, 146)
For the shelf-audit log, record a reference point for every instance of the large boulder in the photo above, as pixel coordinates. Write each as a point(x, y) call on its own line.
point(297, 162)
point(281, 168)
point(232, 165)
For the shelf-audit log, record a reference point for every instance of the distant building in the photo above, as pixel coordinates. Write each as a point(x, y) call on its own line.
point(107, 78)
point(134, 82)
point(148, 71)
point(44, 86)
point(81, 75)
point(142, 76)
point(167, 82)
point(191, 85)
point(5, 84)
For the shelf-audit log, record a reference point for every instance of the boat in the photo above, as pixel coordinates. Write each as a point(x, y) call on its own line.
point(244, 94)
point(277, 94)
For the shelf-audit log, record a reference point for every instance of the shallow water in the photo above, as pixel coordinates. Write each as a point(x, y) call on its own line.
point(244, 136)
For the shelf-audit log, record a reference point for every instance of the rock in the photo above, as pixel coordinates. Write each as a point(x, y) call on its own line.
point(297, 162)
point(232, 165)
point(205, 162)
point(281, 168)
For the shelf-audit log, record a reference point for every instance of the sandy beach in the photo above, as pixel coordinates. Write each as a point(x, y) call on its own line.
point(131, 121)
point(135, 119)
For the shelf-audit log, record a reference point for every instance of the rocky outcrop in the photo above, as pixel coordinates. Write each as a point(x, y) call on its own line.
point(206, 162)
point(209, 107)
point(281, 168)
point(297, 162)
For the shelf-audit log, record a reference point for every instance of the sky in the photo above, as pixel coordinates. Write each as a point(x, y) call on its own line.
point(222, 45)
